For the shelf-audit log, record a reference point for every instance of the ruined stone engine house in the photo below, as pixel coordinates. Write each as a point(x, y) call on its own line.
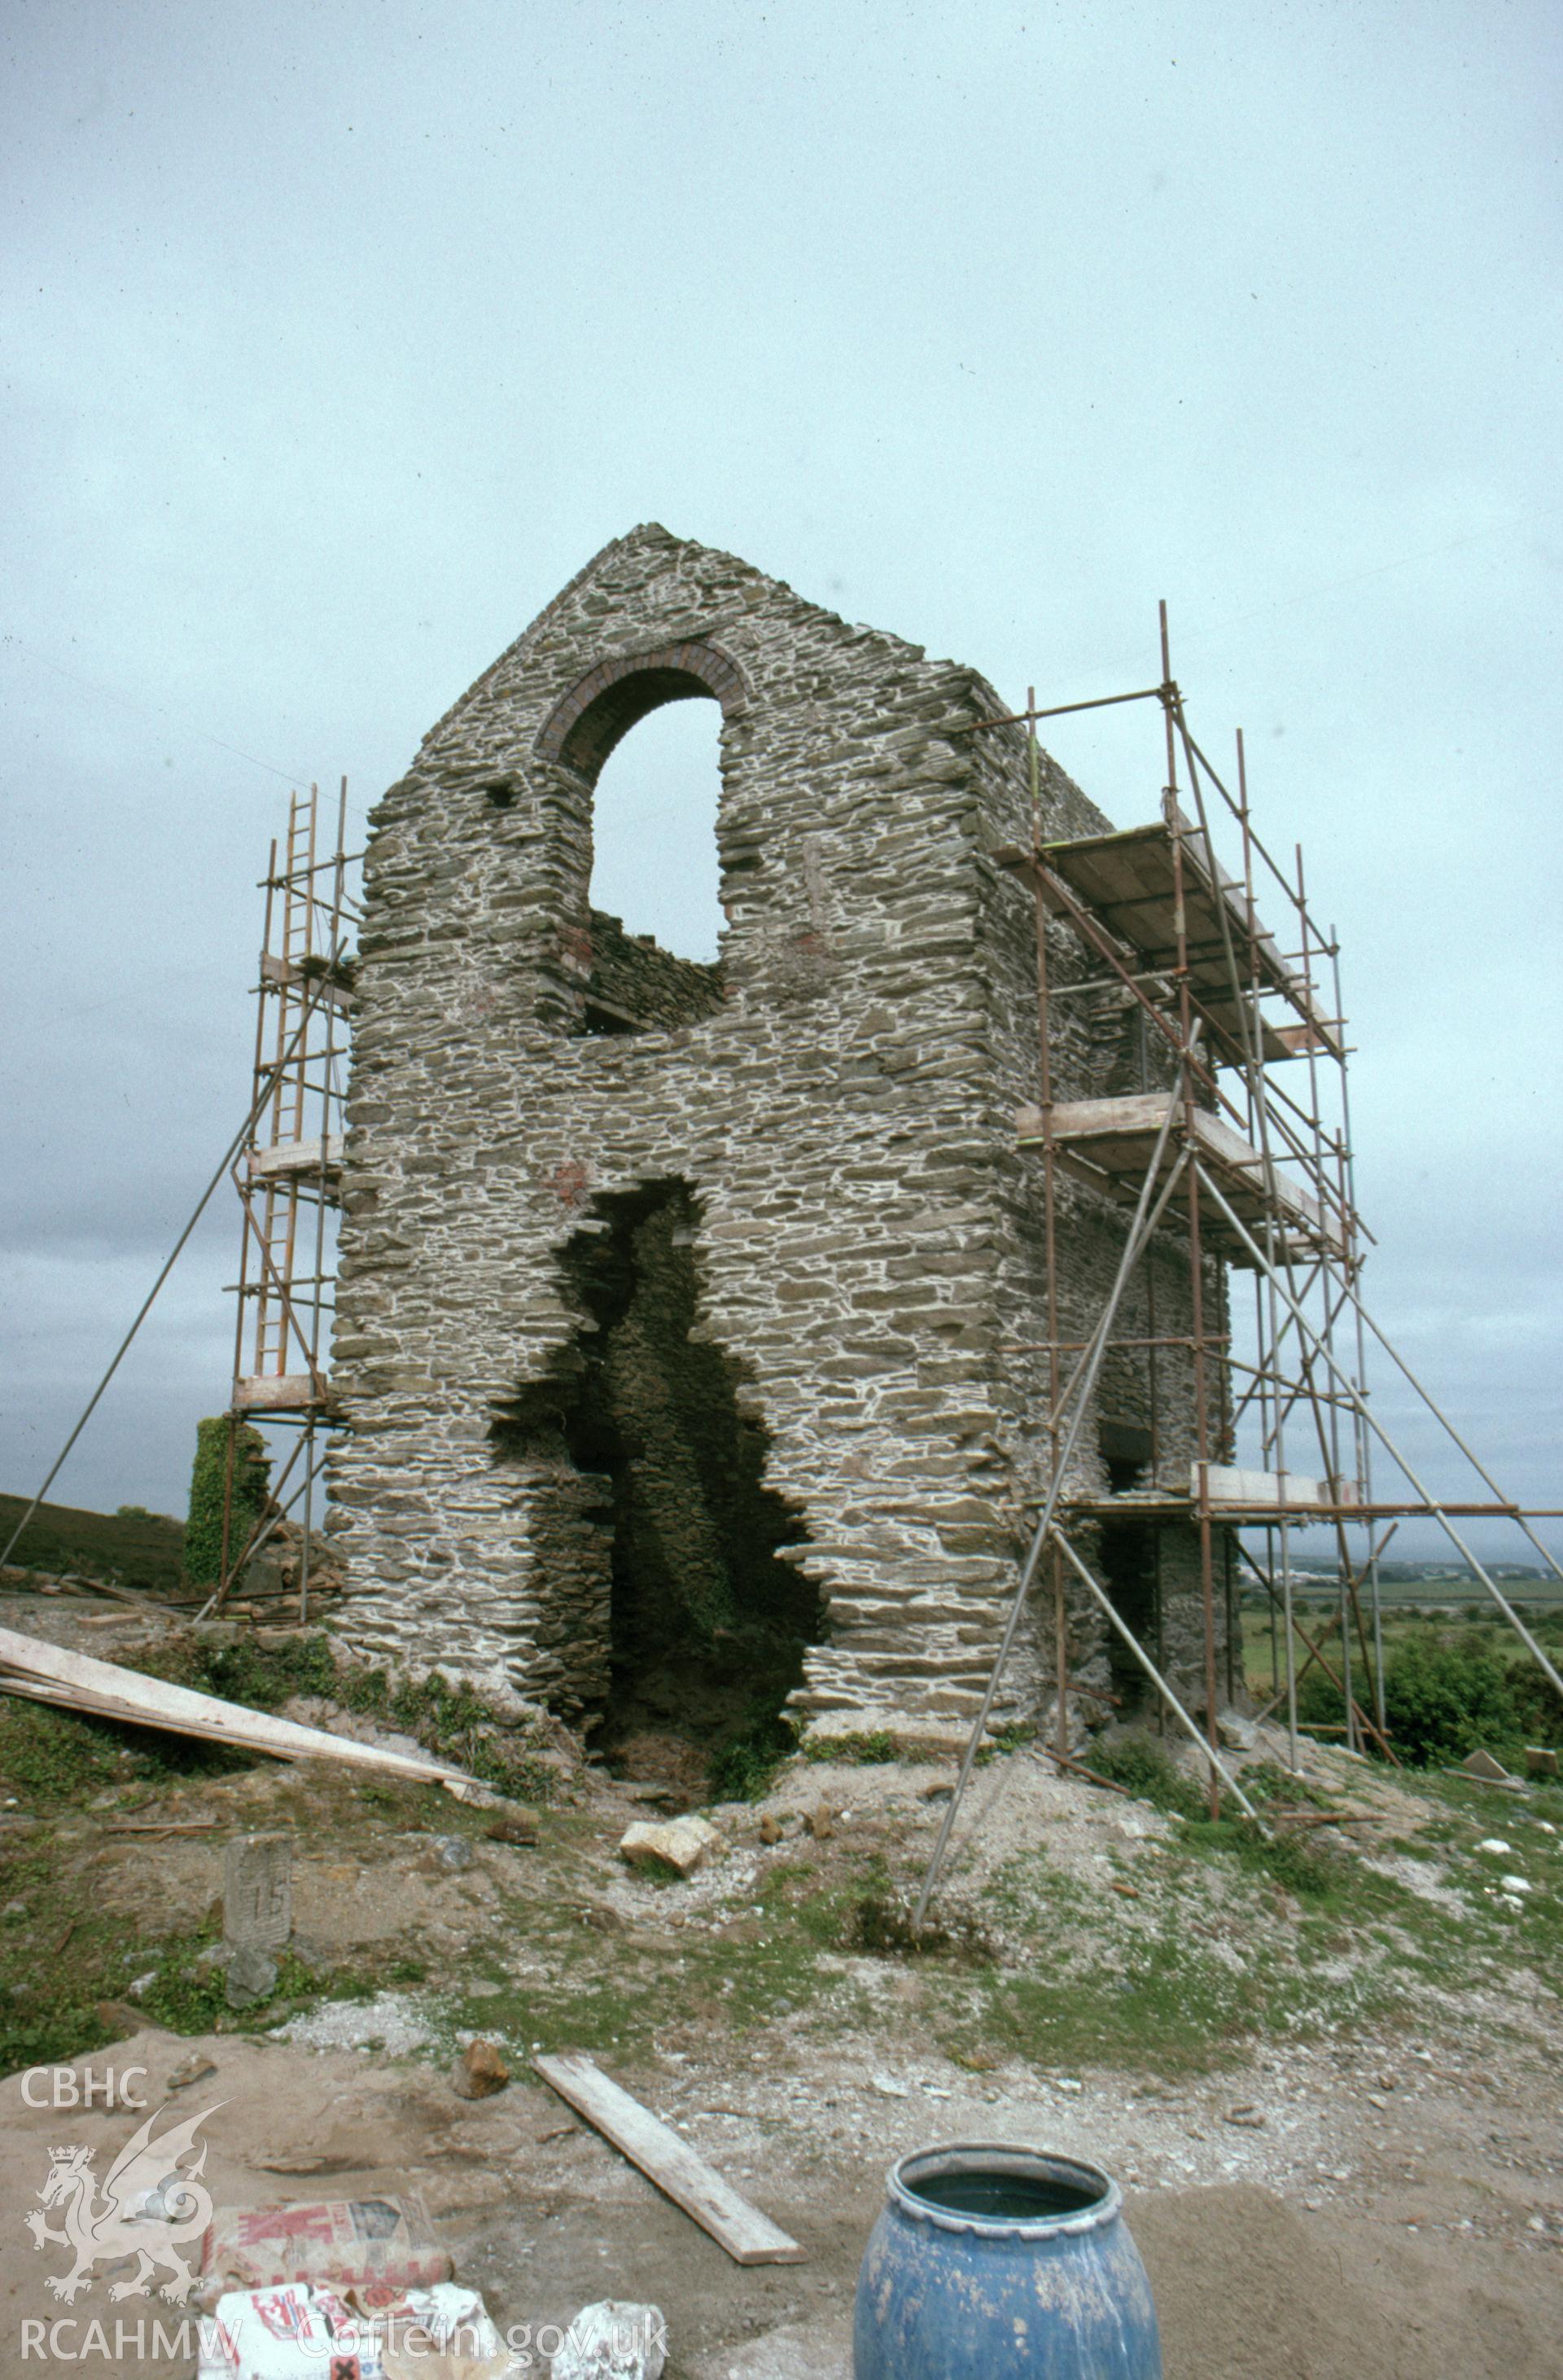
point(690, 1327)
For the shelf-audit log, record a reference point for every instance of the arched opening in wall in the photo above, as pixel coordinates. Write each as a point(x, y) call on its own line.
point(656, 915)
point(671, 1547)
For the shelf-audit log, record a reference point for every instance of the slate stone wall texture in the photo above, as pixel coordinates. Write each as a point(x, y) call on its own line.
point(824, 1122)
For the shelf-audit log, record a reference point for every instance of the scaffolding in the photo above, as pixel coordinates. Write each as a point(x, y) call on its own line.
point(287, 1174)
point(1239, 1139)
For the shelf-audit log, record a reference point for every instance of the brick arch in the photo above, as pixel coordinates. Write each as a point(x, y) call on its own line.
point(584, 728)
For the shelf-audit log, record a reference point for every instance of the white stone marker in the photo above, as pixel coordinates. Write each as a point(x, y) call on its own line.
point(257, 1892)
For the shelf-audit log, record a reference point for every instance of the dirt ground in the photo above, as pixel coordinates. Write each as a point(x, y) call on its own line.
point(1326, 2279)
point(1339, 2129)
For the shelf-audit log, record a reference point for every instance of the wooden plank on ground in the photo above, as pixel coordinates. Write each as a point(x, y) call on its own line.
point(749, 2237)
point(47, 1672)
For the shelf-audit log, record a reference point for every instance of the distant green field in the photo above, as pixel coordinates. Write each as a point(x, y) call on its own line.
point(1439, 1590)
point(1400, 1622)
point(137, 1550)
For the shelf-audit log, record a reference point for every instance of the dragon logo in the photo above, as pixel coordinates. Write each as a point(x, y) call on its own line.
point(147, 2209)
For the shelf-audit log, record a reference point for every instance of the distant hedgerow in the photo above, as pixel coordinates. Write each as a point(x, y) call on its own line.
point(1447, 1694)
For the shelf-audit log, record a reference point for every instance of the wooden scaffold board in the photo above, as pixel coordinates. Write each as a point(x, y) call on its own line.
point(749, 2237)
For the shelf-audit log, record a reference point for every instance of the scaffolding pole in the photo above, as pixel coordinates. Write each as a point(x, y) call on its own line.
point(1429, 1503)
point(1161, 925)
point(287, 1175)
point(1076, 1399)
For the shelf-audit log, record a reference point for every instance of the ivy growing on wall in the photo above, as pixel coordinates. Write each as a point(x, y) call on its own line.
point(252, 1477)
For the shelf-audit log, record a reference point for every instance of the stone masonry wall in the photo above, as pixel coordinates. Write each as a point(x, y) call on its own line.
point(834, 1104)
point(631, 977)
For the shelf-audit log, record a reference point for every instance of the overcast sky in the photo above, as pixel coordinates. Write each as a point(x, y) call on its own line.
point(337, 337)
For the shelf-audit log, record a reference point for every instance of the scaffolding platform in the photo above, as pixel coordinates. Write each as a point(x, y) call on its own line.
point(1232, 1493)
point(1130, 882)
point(1162, 925)
point(323, 988)
point(1110, 1143)
point(1232, 1488)
point(317, 1160)
point(283, 1393)
point(1252, 1508)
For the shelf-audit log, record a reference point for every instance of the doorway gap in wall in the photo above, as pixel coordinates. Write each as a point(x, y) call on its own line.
point(708, 1619)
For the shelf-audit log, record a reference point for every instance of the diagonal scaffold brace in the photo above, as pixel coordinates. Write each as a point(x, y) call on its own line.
point(229, 1154)
point(1435, 1510)
point(1207, 1751)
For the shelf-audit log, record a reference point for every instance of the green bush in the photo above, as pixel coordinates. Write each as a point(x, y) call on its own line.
point(1537, 1700)
point(1447, 1691)
point(1447, 1694)
point(252, 1475)
point(1444, 1696)
point(1320, 1704)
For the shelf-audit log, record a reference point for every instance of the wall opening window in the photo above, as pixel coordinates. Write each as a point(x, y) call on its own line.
point(1126, 1450)
point(1129, 1565)
point(655, 916)
point(654, 813)
point(654, 908)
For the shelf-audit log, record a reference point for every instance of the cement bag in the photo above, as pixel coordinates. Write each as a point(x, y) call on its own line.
point(299, 2333)
point(343, 2242)
point(293, 2333)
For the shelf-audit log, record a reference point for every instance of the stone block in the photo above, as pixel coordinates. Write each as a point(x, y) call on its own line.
point(257, 1892)
point(682, 1844)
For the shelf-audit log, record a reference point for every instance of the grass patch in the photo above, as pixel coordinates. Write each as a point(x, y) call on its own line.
point(620, 1992)
point(191, 1994)
point(68, 1962)
point(1143, 1767)
point(744, 1767)
point(869, 1750)
point(1188, 1975)
point(1269, 1784)
point(879, 1924)
point(144, 1549)
point(454, 1721)
point(58, 1758)
point(1005, 1740)
point(1281, 1859)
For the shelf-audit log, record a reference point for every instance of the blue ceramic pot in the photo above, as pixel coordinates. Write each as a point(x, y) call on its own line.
point(994, 2263)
